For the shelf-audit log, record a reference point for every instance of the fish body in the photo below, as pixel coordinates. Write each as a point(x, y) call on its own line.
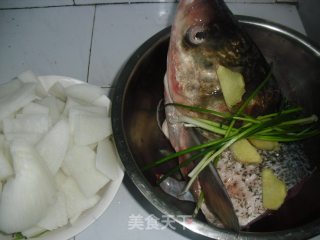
point(204, 36)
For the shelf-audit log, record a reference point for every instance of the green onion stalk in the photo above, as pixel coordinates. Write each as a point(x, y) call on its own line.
point(286, 125)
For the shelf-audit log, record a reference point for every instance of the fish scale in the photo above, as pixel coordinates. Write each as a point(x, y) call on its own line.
point(244, 182)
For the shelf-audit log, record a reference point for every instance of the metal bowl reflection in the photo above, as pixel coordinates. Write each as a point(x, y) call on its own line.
point(139, 88)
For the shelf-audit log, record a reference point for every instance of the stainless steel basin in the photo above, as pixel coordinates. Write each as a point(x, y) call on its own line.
point(139, 88)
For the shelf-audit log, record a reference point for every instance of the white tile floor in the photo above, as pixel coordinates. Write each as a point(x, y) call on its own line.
point(112, 32)
point(45, 3)
point(47, 40)
point(91, 42)
point(33, 3)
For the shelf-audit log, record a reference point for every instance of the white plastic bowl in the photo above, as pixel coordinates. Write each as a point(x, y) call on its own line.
point(107, 193)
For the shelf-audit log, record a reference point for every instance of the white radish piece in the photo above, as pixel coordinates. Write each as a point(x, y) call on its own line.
point(29, 127)
point(18, 99)
point(56, 215)
point(6, 169)
point(54, 107)
point(80, 163)
point(106, 159)
point(10, 87)
point(27, 123)
point(33, 232)
point(60, 105)
point(60, 179)
point(58, 91)
point(53, 146)
point(84, 92)
point(102, 101)
point(76, 111)
point(69, 104)
point(93, 146)
point(6, 149)
point(11, 116)
point(65, 170)
point(30, 77)
point(76, 201)
point(32, 108)
point(2, 141)
point(88, 109)
point(90, 129)
point(27, 196)
point(31, 138)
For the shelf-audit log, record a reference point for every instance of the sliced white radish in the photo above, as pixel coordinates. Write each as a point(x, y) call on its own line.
point(69, 104)
point(77, 111)
point(31, 138)
point(30, 77)
point(27, 123)
point(53, 146)
point(28, 195)
point(29, 127)
point(10, 87)
point(54, 110)
point(84, 92)
point(70, 146)
point(18, 99)
point(32, 108)
point(89, 109)
point(2, 141)
point(90, 129)
point(60, 105)
point(93, 146)
point(76, 201)
point(6, 149)
point(6, 169)
point(106, 159)
point(60, 178)
point(65, 170)
point(58, 91)
point(57, 214)
point(33, 232)
point(102, 101)
point(80, 163)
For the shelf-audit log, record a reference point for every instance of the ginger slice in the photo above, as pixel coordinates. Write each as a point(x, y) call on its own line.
point(264, 145)
point(232, 85)
point(244, 152)
point(274, 190)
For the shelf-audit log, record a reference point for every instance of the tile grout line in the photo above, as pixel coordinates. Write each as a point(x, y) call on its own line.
point(91, 40)
point(36, 7)
point(87, 4)
point(133, 2)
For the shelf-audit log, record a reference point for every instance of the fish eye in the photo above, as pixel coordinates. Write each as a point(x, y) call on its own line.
point(196, 35)
point(217, 92)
